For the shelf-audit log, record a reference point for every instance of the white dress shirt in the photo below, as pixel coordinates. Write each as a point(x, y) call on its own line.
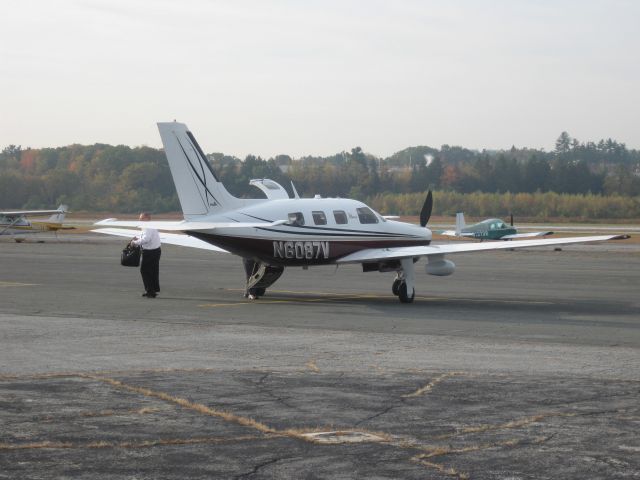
point(148, 240)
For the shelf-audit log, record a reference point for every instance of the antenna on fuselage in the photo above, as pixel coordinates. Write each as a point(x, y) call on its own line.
point(295, 192)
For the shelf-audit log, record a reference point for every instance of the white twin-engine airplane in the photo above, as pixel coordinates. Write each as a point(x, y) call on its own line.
point(279, 231)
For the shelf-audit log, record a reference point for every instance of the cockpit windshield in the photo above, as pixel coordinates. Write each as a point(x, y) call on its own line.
point(495, 224)
point(366, 215)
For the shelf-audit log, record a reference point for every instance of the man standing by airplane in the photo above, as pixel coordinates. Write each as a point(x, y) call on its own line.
point(149, 241)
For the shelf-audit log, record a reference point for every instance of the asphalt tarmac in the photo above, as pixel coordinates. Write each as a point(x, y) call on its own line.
point(522, 364)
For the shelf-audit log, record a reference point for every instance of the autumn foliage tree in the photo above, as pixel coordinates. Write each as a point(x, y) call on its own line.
point(123, 179)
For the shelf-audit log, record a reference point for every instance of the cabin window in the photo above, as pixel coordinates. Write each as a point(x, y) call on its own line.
point(319, 218)
point(340, 217)
point(366, 215)
point(296, 219)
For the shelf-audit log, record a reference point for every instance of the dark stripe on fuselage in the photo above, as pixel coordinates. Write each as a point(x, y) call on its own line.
point(321, 233)
point(317, 229)
point(314, 252)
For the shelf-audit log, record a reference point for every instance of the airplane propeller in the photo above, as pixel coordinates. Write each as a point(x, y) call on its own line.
point(425, 213)
point(512, 219)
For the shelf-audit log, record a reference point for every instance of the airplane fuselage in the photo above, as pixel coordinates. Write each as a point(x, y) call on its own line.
point(486, 234)
point(490, 229)
point(26, 226)
point(319, 231)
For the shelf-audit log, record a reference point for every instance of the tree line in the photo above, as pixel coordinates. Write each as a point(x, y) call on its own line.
point(123, 179)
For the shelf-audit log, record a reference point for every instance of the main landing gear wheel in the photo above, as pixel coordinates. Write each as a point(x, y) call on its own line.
point(403, 295)
point(395, 288)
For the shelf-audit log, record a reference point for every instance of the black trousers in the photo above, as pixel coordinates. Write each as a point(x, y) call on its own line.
point(150, 270)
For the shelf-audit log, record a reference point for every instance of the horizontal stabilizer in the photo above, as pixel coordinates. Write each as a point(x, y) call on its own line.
point(31, 212)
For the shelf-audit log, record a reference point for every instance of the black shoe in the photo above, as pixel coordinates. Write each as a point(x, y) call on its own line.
point(144, 294)
point(150, 295)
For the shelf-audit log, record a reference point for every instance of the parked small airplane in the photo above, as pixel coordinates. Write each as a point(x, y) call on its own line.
point(16, 222)
point(278, 231)
point(489, 229)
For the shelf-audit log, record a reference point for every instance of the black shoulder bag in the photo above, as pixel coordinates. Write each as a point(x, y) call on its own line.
point(130, 256)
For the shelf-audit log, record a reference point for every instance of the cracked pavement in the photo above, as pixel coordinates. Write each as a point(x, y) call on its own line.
point(480, 426)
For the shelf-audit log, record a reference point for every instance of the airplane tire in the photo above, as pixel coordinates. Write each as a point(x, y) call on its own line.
point(260, 291)
point(403, 294)
point(395, 288)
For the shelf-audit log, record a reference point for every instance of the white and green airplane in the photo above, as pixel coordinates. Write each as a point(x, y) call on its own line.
point(489, 229)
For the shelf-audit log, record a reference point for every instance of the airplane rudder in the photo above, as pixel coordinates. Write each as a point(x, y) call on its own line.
point(199, 190)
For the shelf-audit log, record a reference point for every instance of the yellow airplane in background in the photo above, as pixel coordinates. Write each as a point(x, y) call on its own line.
point(15, 222)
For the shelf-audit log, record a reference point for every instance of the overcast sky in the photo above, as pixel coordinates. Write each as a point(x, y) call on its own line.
point(318, 77)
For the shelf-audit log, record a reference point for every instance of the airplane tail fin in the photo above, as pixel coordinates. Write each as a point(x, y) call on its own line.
point(59, 216)
point(459, 223)
point(199, 190)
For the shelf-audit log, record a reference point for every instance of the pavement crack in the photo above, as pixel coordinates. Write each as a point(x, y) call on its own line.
point(433, 452)
point(429, 386)
point(296, 433)
point(102, 413)
point(262, 386)
point(512, 424)
point(128, 445)
point(450, 471)
point(257, 468)
point(185, 403)
point(376, 415)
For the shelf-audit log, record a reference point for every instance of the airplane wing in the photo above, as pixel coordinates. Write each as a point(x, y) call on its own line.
point(381, 254)
point(16, 213)
point(184, 225)
point(169, 238)
point(525, 235)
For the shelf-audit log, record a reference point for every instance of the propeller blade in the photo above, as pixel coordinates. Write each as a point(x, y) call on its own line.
point(512, 219)
point(425, 213)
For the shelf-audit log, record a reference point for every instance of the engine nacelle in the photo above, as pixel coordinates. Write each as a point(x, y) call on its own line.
point(440, 267)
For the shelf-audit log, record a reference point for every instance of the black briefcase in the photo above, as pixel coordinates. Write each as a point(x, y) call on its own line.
point(130, 256)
